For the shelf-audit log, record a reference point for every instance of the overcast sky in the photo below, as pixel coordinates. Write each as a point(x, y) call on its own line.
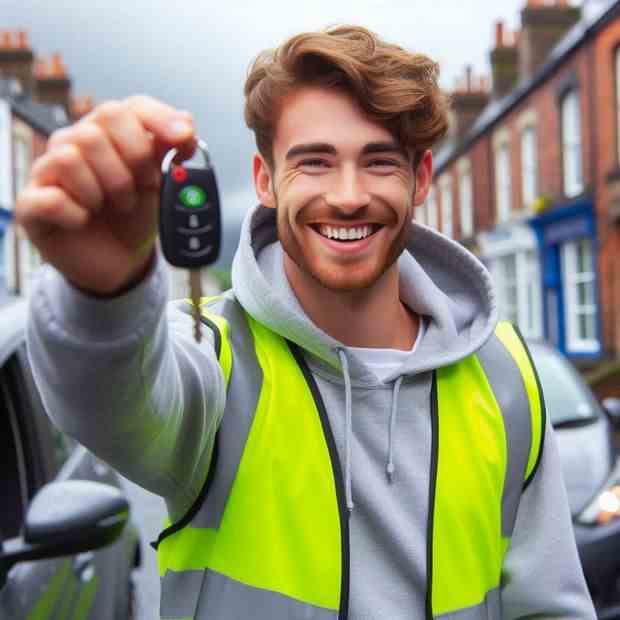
point(194, 54)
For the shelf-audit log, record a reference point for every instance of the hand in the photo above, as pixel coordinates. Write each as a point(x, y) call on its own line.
point(91, 205)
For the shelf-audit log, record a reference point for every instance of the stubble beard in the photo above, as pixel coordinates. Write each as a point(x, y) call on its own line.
point(293, 249)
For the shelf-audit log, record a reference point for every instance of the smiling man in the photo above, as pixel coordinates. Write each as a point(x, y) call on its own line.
point(358, 437)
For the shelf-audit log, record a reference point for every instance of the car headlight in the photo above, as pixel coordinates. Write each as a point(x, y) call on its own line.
point(605, 507)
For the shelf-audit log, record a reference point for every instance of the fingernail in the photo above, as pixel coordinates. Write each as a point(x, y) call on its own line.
point(178, 128)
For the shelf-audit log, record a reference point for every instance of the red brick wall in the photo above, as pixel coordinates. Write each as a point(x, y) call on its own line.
point(607, 190)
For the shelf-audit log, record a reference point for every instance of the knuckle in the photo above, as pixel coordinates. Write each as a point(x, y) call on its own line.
point(121, 184)
point(138, 100)
point(58, 137)
point(89, 136)
point(109, 111)
point(67, 157)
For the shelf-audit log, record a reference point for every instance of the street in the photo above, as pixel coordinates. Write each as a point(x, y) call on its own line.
point(149, 512)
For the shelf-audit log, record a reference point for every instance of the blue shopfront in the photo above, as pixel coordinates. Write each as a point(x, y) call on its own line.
point(567, 242)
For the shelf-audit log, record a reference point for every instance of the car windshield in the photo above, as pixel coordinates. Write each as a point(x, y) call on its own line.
point(567, 399)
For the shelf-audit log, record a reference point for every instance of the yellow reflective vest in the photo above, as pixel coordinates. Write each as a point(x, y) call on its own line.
point(268, 535)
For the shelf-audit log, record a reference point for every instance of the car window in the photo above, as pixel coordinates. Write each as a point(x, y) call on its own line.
point(567, 398)
point(13, 474)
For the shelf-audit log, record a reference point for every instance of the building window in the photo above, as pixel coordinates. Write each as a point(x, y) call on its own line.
point(446, 207)
point(617, 64)
point(22, 160)
point(503, 184)
point(431, 209)
point(529, 166)
point(466, 202)
point(579, 277)
point(517, 280)
point(571, 144)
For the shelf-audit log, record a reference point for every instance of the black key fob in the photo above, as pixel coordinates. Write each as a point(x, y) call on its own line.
point(189, 212)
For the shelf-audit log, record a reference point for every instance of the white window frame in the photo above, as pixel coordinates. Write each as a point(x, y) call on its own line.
point(22, 152)
point(529, 166)
point(447, 205)
point(6, 156)
point(503, 176)
point(522, 246)
point(570, 122)
point(432, 218)
point(466, 198)
point(571, 279)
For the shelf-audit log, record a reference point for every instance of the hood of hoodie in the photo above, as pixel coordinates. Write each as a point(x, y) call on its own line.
point(439, 280)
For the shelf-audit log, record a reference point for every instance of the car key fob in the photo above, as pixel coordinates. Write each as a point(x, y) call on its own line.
point(189, 212)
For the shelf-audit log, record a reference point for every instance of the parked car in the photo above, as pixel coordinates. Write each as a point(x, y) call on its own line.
point(585, 432)
point(67, 545)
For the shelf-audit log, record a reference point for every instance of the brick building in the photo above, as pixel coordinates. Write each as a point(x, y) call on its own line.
point(35, 100)
point(529, 176)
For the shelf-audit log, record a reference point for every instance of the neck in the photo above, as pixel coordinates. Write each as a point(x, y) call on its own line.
point(374, 317)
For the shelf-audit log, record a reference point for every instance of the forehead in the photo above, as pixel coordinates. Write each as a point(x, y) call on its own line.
point(314, 114)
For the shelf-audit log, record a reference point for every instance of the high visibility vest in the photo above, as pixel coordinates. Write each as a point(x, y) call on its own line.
point(268, 536)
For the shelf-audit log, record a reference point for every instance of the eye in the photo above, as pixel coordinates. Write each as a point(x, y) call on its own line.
point(314, 163)
point(383, 162)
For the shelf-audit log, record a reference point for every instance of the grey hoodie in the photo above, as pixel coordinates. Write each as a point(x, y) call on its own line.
point(126, 379)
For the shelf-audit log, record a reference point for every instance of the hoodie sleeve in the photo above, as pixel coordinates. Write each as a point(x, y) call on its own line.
point(542, 575)
point(125, 378)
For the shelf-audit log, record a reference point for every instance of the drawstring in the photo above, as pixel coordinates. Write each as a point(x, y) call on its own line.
point(348, 430)
point(389, 468)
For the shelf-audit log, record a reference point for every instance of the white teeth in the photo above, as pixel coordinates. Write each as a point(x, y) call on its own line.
point(332, 232)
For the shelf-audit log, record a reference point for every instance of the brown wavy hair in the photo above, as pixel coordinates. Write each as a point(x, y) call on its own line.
point(395, 88)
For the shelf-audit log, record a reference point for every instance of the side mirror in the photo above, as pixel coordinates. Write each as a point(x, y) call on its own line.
point(612, 409)
point(65, 518)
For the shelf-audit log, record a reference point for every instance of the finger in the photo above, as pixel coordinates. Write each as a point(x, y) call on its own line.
point(66, 167)
point(168, 125)
point(40, 210)
point(131, 140)
point(113, 175)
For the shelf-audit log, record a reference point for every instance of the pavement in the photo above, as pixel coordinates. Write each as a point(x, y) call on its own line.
point(149, 512)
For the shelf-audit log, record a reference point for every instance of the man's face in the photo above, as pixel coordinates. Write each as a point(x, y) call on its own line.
point(343, 188)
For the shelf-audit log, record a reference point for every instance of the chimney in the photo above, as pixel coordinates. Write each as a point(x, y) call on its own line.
point(504, 61)
point(468, 100)
point(544, 23)
point(52, 84)
point(80, 106)
point(16, 58)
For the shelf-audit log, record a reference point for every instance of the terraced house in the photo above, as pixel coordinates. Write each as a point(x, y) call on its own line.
point(529, 177)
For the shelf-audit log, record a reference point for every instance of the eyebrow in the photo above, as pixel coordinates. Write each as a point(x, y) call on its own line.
point(330, 149)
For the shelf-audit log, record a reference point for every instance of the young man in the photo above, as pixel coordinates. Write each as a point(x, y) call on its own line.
point(357, 437)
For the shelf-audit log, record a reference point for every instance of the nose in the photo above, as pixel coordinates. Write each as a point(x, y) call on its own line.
point(348, 192)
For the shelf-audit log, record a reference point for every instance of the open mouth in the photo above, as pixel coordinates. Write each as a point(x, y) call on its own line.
point(346, 233)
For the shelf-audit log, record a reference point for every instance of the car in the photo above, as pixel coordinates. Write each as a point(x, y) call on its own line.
point(585, 432)
point(68, 546)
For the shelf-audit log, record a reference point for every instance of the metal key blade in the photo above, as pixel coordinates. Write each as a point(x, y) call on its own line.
point(195, 292)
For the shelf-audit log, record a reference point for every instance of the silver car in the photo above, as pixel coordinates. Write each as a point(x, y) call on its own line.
point(585, 432)
point(67, 545)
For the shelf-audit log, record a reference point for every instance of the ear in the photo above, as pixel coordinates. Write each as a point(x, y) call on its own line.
point(263, 182)
point(423, 178)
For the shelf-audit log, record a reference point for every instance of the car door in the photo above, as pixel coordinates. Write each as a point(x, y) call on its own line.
point(57, 589)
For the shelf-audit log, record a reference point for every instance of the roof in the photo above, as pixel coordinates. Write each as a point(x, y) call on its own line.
point(596, 15)
point(43, 117)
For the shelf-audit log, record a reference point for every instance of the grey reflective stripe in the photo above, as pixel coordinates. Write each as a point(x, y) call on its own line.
point(227, 599)
point(489, 609)
point(509, 388)
point(179, 593)
point(244, 387)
